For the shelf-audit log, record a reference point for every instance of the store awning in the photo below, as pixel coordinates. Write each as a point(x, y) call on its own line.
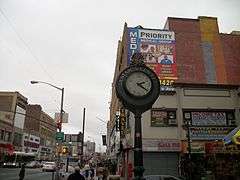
point(233, 136)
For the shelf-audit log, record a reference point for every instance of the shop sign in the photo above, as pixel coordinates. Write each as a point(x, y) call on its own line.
point(209, 118)
point(161, 118)
point(161, 145)
point(219, 147)
point(209, 133)
point(122, 122)
point(196, 147)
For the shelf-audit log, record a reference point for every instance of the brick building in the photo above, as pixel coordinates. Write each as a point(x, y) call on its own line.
point(200, 88)
point(43, 130)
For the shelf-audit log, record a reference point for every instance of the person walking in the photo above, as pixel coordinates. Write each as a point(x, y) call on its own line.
point(76, 175)
point(22, 172)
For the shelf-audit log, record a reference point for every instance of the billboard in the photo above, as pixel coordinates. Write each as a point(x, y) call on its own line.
point(19, 117)
point(158, 49)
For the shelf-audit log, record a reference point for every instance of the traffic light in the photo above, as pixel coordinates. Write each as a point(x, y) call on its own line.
point(59, 125)
point(64, 150)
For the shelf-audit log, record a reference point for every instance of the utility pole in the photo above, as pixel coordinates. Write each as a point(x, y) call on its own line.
point(83, 129)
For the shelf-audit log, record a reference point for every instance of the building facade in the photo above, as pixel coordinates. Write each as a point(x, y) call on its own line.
point(47, 130)
point(40, 133)
point(199, 94)
point(12, 118)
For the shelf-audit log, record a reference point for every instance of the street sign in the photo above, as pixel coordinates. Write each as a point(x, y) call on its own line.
point(60, 136)
point(64, 117)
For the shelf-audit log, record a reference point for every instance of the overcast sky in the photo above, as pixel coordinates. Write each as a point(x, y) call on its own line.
point(73, 44)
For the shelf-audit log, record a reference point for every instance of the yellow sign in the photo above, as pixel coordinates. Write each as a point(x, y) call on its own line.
point(236, 138)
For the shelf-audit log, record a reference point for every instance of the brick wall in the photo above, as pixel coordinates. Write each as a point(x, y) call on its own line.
point(203, 55)
point(189, 56)
point(32, 120)
point(231, 52)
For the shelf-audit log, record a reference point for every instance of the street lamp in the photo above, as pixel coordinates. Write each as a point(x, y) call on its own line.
point(62, 90)
point(61, 113)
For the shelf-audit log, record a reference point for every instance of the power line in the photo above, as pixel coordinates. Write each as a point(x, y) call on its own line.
point(101, 120)
point(25, 44)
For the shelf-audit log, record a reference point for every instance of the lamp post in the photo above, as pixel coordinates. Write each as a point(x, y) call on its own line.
point(61, 114)
point(69, 154)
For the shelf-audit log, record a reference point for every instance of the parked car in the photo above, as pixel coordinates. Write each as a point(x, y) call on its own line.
point(49, 166)
point(33, 164)
point(161, 177)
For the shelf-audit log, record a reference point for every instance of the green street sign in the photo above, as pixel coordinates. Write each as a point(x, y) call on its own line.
point(60, 136)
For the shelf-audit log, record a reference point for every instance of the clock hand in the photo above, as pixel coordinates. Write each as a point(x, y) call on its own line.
point(141, 82)
point(140, 85)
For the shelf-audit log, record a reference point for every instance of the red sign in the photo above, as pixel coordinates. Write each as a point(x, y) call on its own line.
point(161, 145)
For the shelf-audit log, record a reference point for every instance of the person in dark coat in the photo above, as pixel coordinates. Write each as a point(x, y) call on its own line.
point(76, 175)
point(22, 172)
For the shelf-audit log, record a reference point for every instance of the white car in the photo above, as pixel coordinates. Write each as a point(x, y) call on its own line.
point(33, 164)
point(49, 166)
point(161, 177)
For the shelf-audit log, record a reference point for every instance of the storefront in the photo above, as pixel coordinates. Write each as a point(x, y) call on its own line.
point(161, 156)
point(5, 149)
point(223, 161)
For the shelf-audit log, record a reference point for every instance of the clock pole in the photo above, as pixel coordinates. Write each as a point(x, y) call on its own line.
point(138, 155)
point(138, 95)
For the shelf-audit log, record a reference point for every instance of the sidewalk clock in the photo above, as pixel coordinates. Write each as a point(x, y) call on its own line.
point(138, 88)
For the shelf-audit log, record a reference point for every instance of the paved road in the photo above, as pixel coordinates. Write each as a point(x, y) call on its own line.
point(30, 174)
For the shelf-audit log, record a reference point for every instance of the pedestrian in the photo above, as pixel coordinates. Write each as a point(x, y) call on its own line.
point(76, 175)
point(92, 172)
point(22, 172)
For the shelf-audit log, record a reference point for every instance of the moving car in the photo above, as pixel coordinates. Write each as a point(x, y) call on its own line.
point(33, 164)
point(161, 177)
point(11, 164)
point(49, 166)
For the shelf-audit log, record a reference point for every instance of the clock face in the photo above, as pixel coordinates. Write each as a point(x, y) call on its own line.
point(138, 84)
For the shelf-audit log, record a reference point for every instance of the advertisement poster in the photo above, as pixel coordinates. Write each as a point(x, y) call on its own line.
point(209, 119)
point(158, 49)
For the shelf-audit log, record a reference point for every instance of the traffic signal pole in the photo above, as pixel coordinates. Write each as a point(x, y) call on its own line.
point(60, 142)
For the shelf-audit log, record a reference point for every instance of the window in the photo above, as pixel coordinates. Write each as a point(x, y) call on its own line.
point(161, 118)
point(37, 140)
point(1, 134)
point(7, 136)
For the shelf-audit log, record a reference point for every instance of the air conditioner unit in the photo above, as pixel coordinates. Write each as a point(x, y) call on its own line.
point(172, 122)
